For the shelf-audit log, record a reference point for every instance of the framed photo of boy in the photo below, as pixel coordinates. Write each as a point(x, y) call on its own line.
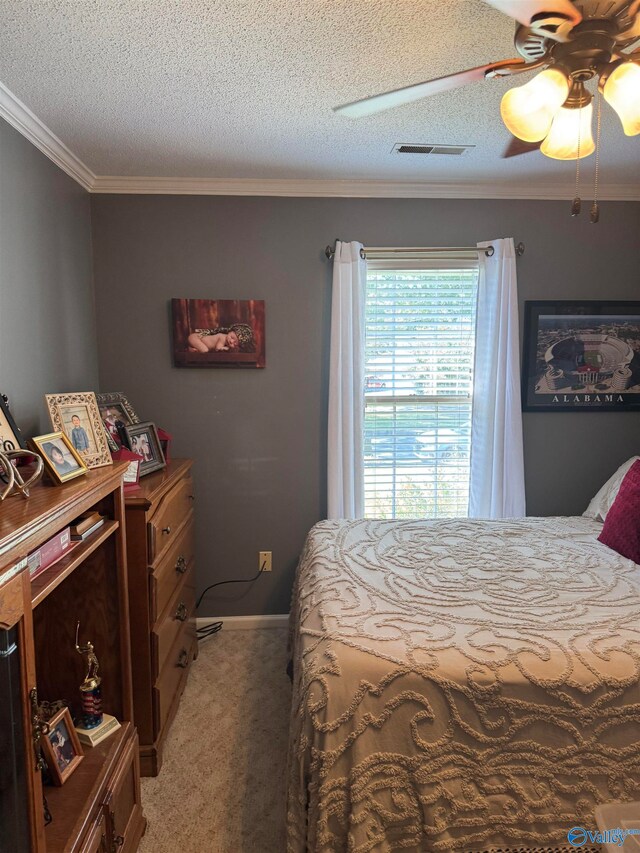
point(143, 440)
point(78, 417)
point(581, 356)
point(61, 747)
point(218, 332)
point(60, 459)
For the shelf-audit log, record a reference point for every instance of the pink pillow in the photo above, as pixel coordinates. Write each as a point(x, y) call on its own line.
point(621, 529)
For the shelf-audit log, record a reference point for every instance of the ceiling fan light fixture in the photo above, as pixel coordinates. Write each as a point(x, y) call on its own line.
point(570, 137)
point(622, 92)
point(529, 110)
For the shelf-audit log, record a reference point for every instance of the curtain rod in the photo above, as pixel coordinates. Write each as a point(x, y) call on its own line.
point(425, 250)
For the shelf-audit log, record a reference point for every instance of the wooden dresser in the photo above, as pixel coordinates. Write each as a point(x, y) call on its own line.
point(98, 808)
point(162, 599)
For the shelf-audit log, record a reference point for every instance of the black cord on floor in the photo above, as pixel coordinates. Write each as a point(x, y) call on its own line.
point(209, 630)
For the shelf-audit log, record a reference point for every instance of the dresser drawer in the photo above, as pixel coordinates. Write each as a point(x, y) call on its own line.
point(166, 520)
point(180, 609)
point(165, 578)
point(174, 674)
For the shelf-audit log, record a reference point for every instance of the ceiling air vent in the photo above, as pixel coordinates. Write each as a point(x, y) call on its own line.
point(412, 148)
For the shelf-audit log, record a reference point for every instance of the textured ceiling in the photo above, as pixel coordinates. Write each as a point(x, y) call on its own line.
point(244, 88)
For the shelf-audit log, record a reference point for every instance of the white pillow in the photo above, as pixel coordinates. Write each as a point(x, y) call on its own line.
point(601, 503)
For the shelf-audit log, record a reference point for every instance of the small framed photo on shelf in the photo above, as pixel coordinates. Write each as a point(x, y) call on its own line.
point(61, 460)
point(78, 417)
point(132, 474)
point(10, 437)
point(116, 411)
point(143, 440)
point(61, 747)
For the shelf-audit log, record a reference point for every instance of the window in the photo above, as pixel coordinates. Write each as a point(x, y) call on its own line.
point(419, 348)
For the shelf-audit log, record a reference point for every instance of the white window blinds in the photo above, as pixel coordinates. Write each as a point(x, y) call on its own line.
point(419, 348)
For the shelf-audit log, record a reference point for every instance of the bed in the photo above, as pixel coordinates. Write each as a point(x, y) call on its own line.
point(460, 685)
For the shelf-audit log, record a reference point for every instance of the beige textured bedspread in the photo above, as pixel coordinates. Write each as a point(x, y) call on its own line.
point(460, 684)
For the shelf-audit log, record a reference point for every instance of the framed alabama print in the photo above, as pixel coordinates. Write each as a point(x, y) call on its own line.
point(581, 356)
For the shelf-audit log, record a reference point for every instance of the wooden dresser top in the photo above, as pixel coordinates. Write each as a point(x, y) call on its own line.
point(153, 486)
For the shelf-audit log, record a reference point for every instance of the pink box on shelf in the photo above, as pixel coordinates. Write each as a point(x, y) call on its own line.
point(49, 553)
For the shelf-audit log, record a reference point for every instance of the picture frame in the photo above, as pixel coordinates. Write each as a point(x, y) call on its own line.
point(115, 409)
point(10, 436)
point(581, 356)
point(78, 417)
point(218, 332)
point(142, 438)
point(131, 476)
point(61, 747)
point(118, 400)
point(61, 460)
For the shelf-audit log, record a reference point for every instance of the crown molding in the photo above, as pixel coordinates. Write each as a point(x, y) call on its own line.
point(18, 115)
point(310, 188)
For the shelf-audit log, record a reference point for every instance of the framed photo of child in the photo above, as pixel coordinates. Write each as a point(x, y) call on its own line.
point(78, 417)
point(61, 460)
point(61, 747)
point(218, 332)
point(142, 439)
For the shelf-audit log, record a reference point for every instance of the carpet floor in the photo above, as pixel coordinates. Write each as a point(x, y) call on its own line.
point(221, 788)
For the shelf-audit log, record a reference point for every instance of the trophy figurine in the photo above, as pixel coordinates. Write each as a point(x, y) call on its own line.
point(90, 689)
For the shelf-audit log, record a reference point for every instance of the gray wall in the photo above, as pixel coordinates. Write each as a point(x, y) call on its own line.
point(258, 437)
point(47, 318)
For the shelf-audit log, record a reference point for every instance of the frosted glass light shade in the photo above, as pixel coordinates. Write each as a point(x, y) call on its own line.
point(562, 140)
point(622, 91)
point(528, 110)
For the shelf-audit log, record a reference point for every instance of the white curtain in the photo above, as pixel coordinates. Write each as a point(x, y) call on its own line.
point(497, 464)
point(346, 384)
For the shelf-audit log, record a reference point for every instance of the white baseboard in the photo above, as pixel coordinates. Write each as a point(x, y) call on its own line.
point(244, 623)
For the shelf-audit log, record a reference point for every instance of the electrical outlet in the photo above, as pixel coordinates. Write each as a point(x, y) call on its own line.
point(264, 559)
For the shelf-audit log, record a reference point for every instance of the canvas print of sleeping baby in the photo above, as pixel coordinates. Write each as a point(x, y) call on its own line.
point(218, 332)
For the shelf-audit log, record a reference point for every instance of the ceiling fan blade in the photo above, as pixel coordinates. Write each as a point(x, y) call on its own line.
point(408, 94)
point(516, 147)
point(633, 31)
point(552, 18)
point(525, 10)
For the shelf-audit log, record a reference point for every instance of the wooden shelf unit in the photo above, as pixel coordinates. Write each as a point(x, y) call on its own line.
point(86, 783)
point(98, 808)
point(46, 582)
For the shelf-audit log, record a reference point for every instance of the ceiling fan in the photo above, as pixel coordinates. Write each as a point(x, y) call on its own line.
point(572, 42)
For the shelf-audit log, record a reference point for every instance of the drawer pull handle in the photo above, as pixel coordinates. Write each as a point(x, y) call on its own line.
point(192, 497)
point(183, 659)
point(118, 841)
point(166, 529)
point(181, 612)
point(181, 565)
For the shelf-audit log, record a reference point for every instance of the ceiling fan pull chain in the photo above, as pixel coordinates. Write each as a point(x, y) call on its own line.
point(595, 210)
point(576, 205)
